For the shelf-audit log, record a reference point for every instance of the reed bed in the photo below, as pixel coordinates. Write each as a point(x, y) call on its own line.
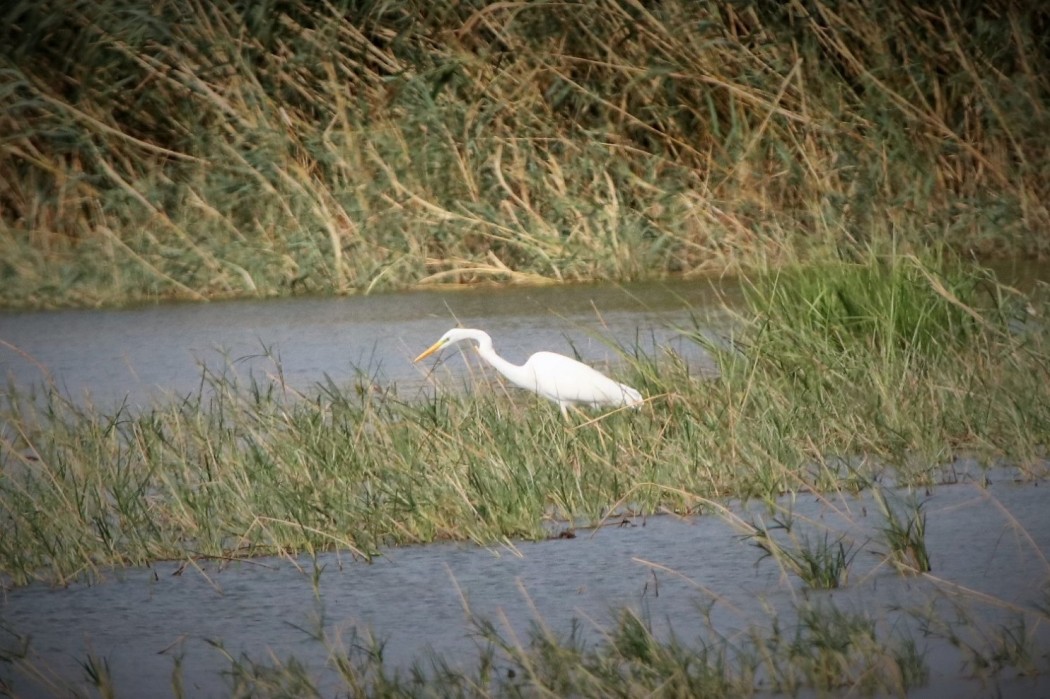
point(213, 149)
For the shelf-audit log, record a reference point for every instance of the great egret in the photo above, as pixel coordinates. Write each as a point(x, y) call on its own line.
point(553, 376)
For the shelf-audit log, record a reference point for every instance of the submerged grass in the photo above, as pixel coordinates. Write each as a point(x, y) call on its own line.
point(836, 377)
point(207, 149)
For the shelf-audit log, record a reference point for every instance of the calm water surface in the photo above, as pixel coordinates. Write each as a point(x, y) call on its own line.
point(143, 354)
point(149, 353)
point(988, 547)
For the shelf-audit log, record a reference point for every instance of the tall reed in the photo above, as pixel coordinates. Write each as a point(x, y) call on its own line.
point(207, 149)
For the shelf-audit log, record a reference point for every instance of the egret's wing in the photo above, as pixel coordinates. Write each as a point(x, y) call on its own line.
point(562, 378)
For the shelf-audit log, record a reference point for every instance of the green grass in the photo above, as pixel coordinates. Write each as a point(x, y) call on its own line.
point(818, 562)
point(248, 468)
point(870, 373)
point(904, 534)
point(203, 150)
point(889, 359)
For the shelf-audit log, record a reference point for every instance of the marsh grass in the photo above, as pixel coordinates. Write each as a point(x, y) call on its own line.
point(97, 671)
point(818, 561)
point(835, 379)
point(904, 534)
point(899, 360)
point(1013, 646)
point(810, 647)
point(246, 466)
point(831, 650)
point(201, 150)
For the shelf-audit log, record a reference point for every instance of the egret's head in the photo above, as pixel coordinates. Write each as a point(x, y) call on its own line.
point(451, 337)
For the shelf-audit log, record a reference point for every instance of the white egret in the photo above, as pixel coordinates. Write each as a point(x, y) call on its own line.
point(554, 376)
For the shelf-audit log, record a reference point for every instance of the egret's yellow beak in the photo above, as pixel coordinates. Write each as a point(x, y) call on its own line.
point(430, 350)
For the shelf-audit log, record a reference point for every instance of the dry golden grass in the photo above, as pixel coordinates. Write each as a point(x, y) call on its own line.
point(198, 150)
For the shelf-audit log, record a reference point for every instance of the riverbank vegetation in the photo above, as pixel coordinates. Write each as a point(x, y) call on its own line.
point(200, 150)
point(888, 374)
point(836, 378)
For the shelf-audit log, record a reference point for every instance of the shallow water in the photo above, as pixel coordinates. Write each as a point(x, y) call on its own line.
point(152, 352)
point(992, 542)
point(142, 354)
point(988, 545)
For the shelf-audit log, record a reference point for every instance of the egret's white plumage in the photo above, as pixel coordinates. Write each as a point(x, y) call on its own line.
point(554, 376)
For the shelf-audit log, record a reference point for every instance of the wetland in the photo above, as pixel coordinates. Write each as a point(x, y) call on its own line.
point(848, 498)
point(785, 225)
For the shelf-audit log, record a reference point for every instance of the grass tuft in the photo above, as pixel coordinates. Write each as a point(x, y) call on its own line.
point(905, 536)
point(820, 563)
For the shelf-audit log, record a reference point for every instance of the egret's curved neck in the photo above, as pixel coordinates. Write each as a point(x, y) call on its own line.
point(516, 374)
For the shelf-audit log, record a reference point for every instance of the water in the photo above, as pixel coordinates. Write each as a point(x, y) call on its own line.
point(151, 353)
point(988, 547)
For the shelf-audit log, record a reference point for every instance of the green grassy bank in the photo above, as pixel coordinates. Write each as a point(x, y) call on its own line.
point(200, 150)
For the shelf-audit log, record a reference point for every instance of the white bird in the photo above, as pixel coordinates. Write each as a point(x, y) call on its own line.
point(554, 376)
